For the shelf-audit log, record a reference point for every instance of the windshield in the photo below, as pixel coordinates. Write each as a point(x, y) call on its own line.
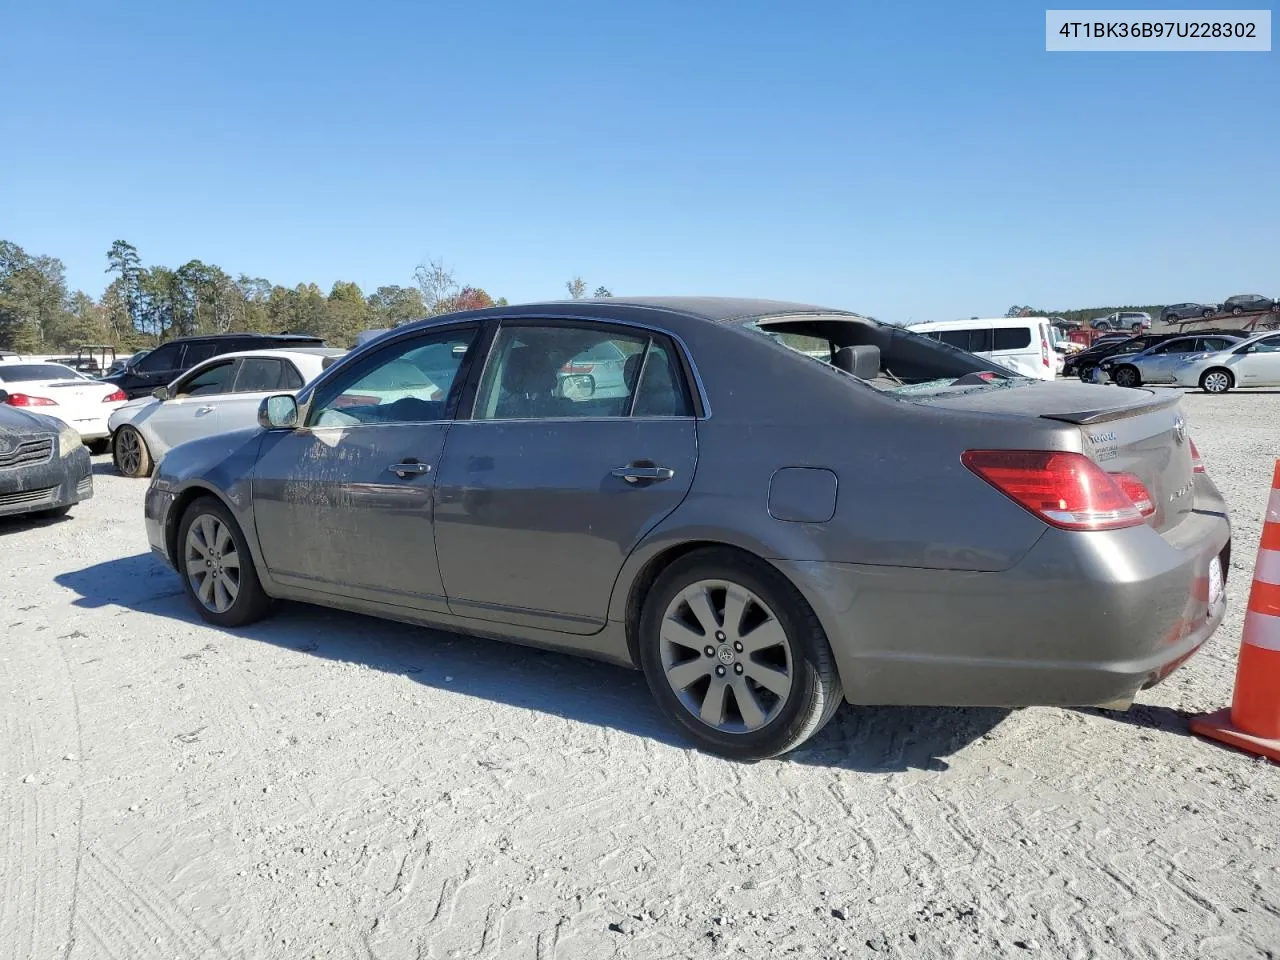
point(22, 372)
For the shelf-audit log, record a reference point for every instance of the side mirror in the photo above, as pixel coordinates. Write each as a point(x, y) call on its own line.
point(162, 394)
point(279, 412)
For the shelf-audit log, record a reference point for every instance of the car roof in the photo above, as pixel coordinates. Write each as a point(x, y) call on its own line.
point(994, 321)
point(277, 352)
point(707, 309)
point(246, 335)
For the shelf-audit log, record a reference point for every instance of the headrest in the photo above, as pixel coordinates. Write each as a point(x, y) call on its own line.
point(524, 374)
point(863, 361)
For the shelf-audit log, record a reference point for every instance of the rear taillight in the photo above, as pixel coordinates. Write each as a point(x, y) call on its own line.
point(1197, 465)
point(115, 397)
point(1066, 490)
point(1044, 351)
point(26, 400)
point(578, 368)
point(1137, 493)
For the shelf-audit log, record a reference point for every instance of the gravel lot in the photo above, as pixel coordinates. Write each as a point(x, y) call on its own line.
point(328, 785)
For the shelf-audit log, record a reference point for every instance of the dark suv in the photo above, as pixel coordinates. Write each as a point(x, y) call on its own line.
point(158, 367)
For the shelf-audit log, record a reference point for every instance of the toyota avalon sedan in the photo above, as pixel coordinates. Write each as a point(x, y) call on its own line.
point(44, 467)
point(784, 508)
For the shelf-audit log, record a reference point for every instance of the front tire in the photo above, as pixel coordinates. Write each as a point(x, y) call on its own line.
point(1206, 313)
point(216, 566)
point(735, 656)
point(1217, 381)
point(1102, 325)
point(1086, 373)
point(1236, 311)
point(129, 452)
point(1126, 377)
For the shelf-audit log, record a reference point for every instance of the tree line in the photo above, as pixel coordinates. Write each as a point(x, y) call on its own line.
point(144, 305)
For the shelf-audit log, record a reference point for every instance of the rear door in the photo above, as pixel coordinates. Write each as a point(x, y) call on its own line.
point(556, 476)
point(256, 378)
point(156, 369)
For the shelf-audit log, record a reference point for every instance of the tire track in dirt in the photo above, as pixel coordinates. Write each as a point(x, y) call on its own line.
point(39, 796)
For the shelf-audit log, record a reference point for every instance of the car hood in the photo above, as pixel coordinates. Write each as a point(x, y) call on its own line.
point(18, 424)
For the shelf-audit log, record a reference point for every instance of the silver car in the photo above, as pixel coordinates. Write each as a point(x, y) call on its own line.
point(1160, 364)
point(786, 508)
point(1250, 363)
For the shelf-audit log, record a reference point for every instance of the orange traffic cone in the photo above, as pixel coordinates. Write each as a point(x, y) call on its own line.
point(1253, 722)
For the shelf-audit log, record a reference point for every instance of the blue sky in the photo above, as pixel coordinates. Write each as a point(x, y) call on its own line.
point(912, 161)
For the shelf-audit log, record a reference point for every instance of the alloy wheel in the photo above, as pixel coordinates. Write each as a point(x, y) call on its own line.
point(1125, 377)
point(726, 656)
point(1216, 381)
point(212, 563)
point(129, 451)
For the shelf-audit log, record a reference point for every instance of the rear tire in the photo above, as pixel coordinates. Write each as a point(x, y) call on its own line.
point(1236, 311)
point(216, 566)
point(1206, 313)
point(725, 636)
point(1217, 380)
point(1102, 325)
point(129, 452)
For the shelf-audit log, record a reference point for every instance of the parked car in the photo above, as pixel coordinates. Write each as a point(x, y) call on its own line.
point(120, 363)
point(44, 468)
point(1135, 320)
point(1159, 364)
point(1186, 311)
point(1254, 362)
point(214, 396)
point(1022, 344)
point(706, 529)
point(86, 365)
point(1084, 363)
point(166, 362)
point(58, 391)
point(1249, 303)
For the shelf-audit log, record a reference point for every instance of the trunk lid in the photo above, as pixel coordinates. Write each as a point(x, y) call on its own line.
point(1141, 432)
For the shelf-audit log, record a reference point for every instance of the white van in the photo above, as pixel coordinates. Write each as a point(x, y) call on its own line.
point(1023, 344)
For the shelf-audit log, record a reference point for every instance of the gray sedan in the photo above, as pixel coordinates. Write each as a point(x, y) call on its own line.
point(784, 507)
point(1160, 364)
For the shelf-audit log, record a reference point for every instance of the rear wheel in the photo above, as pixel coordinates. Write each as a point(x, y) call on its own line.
point(1206, 313)
point(217, 568)
point(1126, 376)
point(1236, 311)
point(735, 657)
point(1102, 325)
point(129, 452)
point(1136, 327)
point(1216, 381)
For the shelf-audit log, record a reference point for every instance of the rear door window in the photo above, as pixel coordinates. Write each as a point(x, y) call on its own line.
point(259, 374)
point(161, 359)
point(199, 352)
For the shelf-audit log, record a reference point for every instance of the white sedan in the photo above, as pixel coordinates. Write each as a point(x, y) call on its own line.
point(1251, 363)
point(58, 391)
point(215, 396)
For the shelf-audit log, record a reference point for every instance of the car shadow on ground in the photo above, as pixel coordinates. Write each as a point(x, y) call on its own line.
point(865, 739)
point(17, 522)
point(104, 467)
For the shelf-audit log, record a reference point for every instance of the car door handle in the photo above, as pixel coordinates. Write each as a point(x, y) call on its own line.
point(408, 468)
point(200, 411)
point(635, 473)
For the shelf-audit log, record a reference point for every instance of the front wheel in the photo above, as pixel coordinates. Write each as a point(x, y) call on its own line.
point(1236, 311)
point(1216, 381)
point(1086, 373)
point(735, 657)
point(129, 452)
point(217, 568)
point(1102, 325)
point(1126, 377)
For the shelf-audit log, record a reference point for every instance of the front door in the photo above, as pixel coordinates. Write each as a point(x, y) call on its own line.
point(582, 439)
point(192, 411)
point(156, 369)
point(344, 505)
point(1260, 367)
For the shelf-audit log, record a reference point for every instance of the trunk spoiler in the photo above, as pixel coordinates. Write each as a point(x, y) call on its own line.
point(1159, 401)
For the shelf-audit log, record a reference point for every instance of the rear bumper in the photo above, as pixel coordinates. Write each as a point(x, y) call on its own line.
point(1083, 619)
point(155, 511)
point(61, 482)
